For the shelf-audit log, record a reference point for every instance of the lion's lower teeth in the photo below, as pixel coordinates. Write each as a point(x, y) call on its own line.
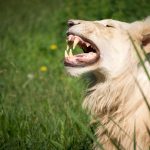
point(66, 54)
point(70, 52)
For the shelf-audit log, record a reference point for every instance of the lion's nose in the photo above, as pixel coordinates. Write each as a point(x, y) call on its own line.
point(73, 22)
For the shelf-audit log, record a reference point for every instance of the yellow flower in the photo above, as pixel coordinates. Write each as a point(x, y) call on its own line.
point(43, 68)
point(53, 47)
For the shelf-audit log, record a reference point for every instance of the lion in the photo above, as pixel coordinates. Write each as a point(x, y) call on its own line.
point(120, 94)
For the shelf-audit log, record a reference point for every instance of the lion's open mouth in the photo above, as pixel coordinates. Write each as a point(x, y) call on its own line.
point(89, 56)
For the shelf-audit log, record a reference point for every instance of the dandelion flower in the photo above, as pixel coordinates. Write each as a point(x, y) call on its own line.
point(43, 68)
point(53, 47)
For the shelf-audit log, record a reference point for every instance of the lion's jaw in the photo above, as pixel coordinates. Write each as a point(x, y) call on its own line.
point(106, 47)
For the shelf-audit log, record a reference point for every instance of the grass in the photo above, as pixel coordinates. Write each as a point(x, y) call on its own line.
point(33, 103)
point(41, 109)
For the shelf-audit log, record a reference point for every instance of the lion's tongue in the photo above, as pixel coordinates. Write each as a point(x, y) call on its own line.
point(86, 57)
point(81, 59)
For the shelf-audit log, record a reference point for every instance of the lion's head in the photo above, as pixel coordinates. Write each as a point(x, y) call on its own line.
point(106, 45)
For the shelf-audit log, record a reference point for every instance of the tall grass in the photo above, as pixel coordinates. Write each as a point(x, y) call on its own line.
point(35, 104)
point(140, 52)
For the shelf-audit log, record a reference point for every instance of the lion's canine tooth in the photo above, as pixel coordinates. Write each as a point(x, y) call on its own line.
point(76, 41)
point(67, 48)
point(70, 52)
point(66, 54)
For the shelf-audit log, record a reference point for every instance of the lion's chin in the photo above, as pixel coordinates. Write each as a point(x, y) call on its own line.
point(84, 60)
point(77, 71)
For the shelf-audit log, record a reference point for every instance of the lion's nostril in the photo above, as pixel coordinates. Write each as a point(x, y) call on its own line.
point(70, 23)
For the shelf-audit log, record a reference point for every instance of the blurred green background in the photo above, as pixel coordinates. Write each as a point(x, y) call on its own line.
point(40, 105)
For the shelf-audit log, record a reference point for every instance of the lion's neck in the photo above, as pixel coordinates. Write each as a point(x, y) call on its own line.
point(108, 96)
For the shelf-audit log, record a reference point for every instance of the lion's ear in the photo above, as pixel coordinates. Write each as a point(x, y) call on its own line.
point(146, 35)
point(140, 30)
point(146, 42)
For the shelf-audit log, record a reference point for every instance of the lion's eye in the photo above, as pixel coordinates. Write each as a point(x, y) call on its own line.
point(109, 26)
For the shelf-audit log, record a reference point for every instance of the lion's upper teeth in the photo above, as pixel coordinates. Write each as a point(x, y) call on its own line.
point(76, 41)
point(70, 37)
point(88, 44)
point(67, 48)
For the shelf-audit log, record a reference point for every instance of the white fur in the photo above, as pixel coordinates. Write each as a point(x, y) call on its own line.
point(116, 98)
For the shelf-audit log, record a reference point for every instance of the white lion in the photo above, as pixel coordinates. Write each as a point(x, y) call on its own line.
point(116, 99)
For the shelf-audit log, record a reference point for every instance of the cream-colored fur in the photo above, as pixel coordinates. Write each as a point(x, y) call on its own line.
point(116, 100)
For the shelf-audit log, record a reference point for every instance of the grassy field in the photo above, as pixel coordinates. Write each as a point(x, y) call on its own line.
point(40, 105)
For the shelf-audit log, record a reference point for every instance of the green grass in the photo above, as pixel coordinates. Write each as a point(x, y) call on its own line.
point(35, 112)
